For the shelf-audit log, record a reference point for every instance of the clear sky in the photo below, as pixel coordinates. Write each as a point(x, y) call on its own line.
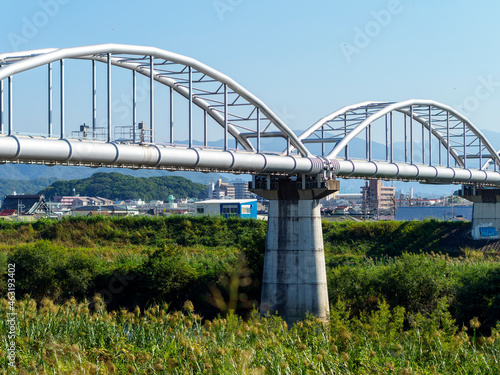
point(304, 59)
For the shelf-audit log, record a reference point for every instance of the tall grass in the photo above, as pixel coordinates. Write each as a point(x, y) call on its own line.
point(87, 339)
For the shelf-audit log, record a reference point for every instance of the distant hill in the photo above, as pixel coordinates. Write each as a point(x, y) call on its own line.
point(23, 186)
point(117, 186)
point(31, 172)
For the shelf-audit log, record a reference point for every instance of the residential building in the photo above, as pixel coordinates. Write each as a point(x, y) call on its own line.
point(378, 199)
point(9, 212)
point(220, 190)
point(91, 201)
point(77, 201)
point(241, 190)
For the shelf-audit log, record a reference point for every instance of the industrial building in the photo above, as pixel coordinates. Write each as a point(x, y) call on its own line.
point(105, 210)
point(24, 205)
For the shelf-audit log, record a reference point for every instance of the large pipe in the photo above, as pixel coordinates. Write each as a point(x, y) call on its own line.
point(414, 172)
point(27, 149)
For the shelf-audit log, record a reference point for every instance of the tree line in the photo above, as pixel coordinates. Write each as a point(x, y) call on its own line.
point(117, 186)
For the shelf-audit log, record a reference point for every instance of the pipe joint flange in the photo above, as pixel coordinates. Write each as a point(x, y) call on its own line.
point(159, 155)
point(117, 152)
point(294, 164)
point(376, 168)
point(397, 169)
point(18, 152)
point(436, 175)
point(230, 152)
point(353, 168)
point(198, 158)
point(70, 154)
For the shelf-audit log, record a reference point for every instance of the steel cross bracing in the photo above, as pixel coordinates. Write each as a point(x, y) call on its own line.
point(414, 140)
point(422, 140)
point(210, 95)
point(242, 115)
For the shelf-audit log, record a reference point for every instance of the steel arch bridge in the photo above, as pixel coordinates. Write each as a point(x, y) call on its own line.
point(420, 140)
point(414, 140)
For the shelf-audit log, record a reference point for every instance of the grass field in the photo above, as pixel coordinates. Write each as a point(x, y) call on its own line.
point(178, 296)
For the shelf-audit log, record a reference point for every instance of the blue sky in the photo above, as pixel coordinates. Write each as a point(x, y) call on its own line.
point(304, 59)
point(289, 52)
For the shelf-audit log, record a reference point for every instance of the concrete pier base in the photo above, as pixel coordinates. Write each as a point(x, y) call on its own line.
point(294, 281)
point(485, 213)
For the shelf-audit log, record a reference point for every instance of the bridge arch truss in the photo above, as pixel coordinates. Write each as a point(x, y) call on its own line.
point(415, 131)
point(242, 115)
point(417, 140)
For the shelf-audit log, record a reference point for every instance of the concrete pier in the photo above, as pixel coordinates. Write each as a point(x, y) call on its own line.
point(294, 281)
point(485, 213)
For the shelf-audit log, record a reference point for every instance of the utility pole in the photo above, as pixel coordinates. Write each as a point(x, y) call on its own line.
point(20, 206)
point(365, 200)
point(452, 216)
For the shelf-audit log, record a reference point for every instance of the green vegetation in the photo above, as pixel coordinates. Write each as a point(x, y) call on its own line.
point(404, 299)
point(147, 259)
point(90, 339)
point(117, 186)
point(389, 238)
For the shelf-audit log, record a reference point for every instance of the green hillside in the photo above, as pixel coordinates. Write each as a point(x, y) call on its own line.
point(117, 186)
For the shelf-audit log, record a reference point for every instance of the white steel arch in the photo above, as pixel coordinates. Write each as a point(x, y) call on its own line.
point(380, 109)
point(163, 66)
point(18, 62)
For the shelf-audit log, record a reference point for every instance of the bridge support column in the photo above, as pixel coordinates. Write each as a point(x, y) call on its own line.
point(294, 280)
point(485, 213)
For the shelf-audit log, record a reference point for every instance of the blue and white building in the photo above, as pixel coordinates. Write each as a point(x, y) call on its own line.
point(245, 208)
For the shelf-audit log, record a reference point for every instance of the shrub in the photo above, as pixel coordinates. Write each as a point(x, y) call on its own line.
point(478, 294)
point(47, 270)
point(37, 268)
point(415, 282)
